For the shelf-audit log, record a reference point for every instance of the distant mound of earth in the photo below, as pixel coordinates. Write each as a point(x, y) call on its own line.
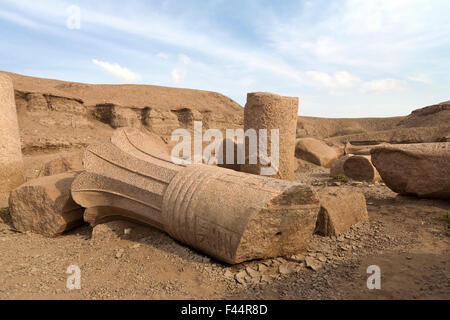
point(431, 116)
point(59, 116)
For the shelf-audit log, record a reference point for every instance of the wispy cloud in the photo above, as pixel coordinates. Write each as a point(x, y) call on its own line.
point(177, 76)
point(184, 59)
point(120, 73)
point(383, 85)
point(421, 78)
point(341, 79)
point(162, 55)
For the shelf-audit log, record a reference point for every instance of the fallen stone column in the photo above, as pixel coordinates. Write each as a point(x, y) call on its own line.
point(11, 164)
point(421, 169)
point(45, 206)
point(359, 168)
point(229, 215)
point(315, 151)
point(271, 111)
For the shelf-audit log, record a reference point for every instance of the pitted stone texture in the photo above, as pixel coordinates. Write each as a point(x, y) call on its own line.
point(315, 151)
point(229, 215)
point(271, 111)
point(359, 168)
point(235, 217)
point(45, 206)
point(422, 169)
point(11, 163)
point(340, 208)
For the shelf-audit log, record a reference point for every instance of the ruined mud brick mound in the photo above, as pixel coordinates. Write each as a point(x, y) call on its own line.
point(359, 168)
point(45, 206)
point(315, 151)
point(59, 115)
point(431, 116)
point(11, 163)
point(271, 111)
point(422, 170)
point(229, 215)
point(395, 136)
point(340, 208)
point(322, 128)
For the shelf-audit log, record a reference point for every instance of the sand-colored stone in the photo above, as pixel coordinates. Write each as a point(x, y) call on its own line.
point(359, 168)
point(340, 208)
point(45, 206)
point(271, 111)
point(229, 215)
point(422, 169)
point(315, 151)
point(359, 150)
point(66, 163)
point(11, 163)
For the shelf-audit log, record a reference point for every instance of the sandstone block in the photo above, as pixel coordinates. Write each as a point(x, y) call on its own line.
point(315, 151)
point(340, 208)
point(45, 206)
point(359, 168)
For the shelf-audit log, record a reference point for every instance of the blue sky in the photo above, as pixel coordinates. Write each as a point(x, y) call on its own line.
point(343, 58)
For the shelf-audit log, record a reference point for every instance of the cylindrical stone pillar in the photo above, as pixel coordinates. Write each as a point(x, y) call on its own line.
point(271, 111)
point(11, 163)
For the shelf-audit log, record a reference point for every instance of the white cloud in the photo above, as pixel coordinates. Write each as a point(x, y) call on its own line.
point(118, 72)
point(422, 78)
point(382, 85)
point(177, 76)
point(341, 79)
point(184, 59)
point(162, 55)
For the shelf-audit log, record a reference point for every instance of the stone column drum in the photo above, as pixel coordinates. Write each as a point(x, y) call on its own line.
point(229, 215)
point(11, 163)
point(271, 111)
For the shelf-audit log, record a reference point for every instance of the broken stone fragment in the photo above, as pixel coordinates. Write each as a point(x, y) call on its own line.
point(340, 208)
point(45, 206)
point(313, 264)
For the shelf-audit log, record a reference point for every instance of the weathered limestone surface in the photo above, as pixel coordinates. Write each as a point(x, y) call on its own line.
point(45, 206)
point(359, 149)
point(359, 168)
point(315, 151)
point(340, 208)
point(11, 163)
point(271, 111)
point(422, 169)
point(229, 215)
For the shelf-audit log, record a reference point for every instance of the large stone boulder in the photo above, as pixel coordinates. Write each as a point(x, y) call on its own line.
point(45, 206)
point(359, 168)
point(340, 208)
point(315, 151)
point(422, 170)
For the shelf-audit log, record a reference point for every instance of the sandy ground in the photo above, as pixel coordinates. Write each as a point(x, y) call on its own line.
point(407, 238)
